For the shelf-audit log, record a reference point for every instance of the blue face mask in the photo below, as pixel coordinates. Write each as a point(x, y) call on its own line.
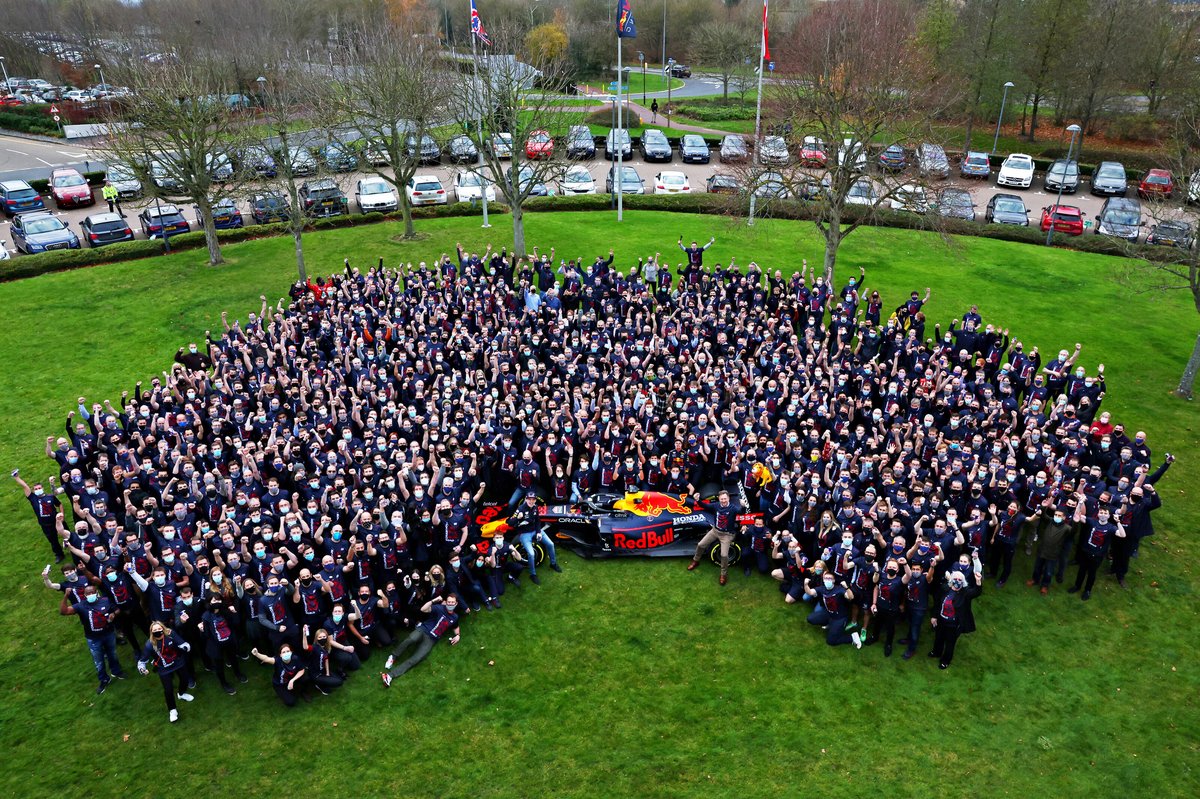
point(91, 598)
point(112, 577)
point(337, 535)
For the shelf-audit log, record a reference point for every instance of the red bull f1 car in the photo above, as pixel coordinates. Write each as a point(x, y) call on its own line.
point(647, 523)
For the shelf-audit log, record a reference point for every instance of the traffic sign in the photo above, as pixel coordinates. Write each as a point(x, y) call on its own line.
point(53, 109)
point(57, 118)
point(770, 66)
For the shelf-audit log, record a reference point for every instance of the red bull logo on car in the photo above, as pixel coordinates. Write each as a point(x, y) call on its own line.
point(652, 504)
point(648, 539)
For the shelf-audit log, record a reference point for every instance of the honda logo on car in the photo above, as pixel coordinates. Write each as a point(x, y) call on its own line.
point(647, 540)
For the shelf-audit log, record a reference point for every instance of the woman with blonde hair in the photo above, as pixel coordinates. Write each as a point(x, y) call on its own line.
point(167, 653)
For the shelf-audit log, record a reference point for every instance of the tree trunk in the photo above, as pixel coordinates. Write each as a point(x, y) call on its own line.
point(518, 218)
point(296, 233)
point(970, 124)
point(1188, 381)
point(410, 231)
point(725, 86)
point(210, 235)
point(1033, 115)
point(833, 240)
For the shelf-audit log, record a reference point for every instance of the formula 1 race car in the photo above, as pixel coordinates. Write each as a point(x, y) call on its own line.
point(647, 523)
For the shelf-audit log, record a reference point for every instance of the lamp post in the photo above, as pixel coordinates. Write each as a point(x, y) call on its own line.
point(996, 140)
point(667, 74)
point(642, 60)
point(1074, 130)
point(664, 33)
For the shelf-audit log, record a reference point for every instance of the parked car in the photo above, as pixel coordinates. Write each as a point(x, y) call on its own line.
point(770, 185)
point(1066, 219)
point(162, 219)
point(105, 228)
point(577, 180)
point(1172, 233)
point(733, 150)
point(323, 197)
point(165, 180)
point(773, 151)
point(680, 71)
point(17, 197)
point(502, 145)
point(813, 152)
point(862, 192)
point(1156, 184)
point(469, 187)
point(1193, 192)
point(723, 184)
point(1007, 209)
point(955, 203)
point(258, 162)
point(670, 182)
point(377, 156)
point(526, 181)
point(539, 146)
point(893, 159)
point(693, 149)
point(125, 181)
point(375, 194)
point(1109, 180)
point(219, 166)
point(1016, 171)
point(580, 143)
point(303, 163)
point(910, 197)
point(41, 231)
point(975, 165)
point(427, 153)
point(339, 157)
point(270, 206)
point(70, 189)
point(462, 150)
point(932, 161)
point(631, 181)
point(618, 145)
point(655, 146)
point(852, 155)
point(226, 215)
point(1062, 174)
point(1120, 218)
point(425, 190)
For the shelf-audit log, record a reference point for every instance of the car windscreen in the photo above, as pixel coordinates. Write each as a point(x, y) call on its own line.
point(955, 198)
point(1066, 216)
point(693, 141)
point(118, 174)
point(1159, 179)
point(1114, 172)
point(270, 202)
point(630, 175)
point(860, 190)
point(1069, 170)
point(375, 187)
point(673, 180)
point(1119, 216)
point(1020, 164)
point(1010, 206)
point(577, 175)
point(977, 160)
point(48, 225)
point(66, 181)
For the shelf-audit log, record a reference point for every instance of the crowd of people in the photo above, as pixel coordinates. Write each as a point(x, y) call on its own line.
point(305, 488)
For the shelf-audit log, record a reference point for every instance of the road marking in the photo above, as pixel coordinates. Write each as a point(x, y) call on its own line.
point(44, 161)
point(72, 155)
point(18, 152)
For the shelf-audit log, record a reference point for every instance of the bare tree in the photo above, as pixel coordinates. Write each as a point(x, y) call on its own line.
point(724, 46)
point(177, 132)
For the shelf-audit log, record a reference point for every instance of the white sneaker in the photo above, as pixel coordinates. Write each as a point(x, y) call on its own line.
point(391, 661)
point(857, 639)
point(186, 697)
point(173, 715)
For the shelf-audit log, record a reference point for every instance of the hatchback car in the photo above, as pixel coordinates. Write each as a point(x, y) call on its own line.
point(427, 153)
point(910, 197)
point(164, 179)
point(723, 184)
point(577, 180)
point(219, 166)
point(733, 150)
point(618, 145)
point(932, 161)
point(425, 190)
point(770, 185)
point(1016, 171)
point(813, 152)
point(693, 149)
point(773, 151)
point(1156, 184)
point(975, 165)
point(125, 181)
point(1062, 175)
point(655, 146)
point(862, 192)
point(375, 195)
point(270, 206)
point(69, 189)
point(1172, 233)
point(469, 187)
point(258, 162)
point(672, 183)
point(323, 198)
point(225, 213)
point(105, 228)
point(161, 220)
point(303, 163)
point(502, 145)
point(680, 71)
point(580, 143)
point(539, 146)
point(17, 197)
point(1007, 209)
point(462, 150)
point(955, 203)
point(526, 181)
point(1120, 218)
point(631, 181)
point(339, 157)
point(893, 159)
point(41, 231)
point(1066, 219)
point(1109, 180)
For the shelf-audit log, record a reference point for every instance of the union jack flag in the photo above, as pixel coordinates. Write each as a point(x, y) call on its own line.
point(477, 26)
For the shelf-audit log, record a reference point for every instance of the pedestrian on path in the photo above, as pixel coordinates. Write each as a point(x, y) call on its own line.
point(654, 111)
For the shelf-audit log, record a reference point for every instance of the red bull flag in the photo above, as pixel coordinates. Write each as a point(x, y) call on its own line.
point(766, 46)
point(626, 28)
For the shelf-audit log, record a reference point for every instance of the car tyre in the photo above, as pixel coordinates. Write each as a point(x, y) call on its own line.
point(735, 553)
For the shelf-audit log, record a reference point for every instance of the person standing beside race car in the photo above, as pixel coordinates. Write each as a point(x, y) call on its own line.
point(724, 530)
point(528, 529)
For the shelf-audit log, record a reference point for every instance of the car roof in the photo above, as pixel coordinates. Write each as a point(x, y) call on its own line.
point(1006, 196)
point(14, 185)
point(1163, 172)
point(425, 178)
point(160, 210)
point(673, 172)
point(1064, 209)
point(1122, 202)
point(35, 215)
point(321, 183)
point(374, 179)
point(65, 170)
point(103, 217)
point(1018, 157)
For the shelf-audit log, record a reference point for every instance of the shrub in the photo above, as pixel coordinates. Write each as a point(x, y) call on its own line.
point(604, 118)
point(28, 120)
point(715, 110)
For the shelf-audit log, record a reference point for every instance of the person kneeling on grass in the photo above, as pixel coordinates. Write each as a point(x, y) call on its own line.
point(291, 674)
point(832, 611)
point(442, 617)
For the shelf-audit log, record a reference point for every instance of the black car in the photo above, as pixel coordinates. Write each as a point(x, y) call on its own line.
point(258, 162)
point(680, 71)
point(339, 157)
point(430, 153)
point(1120, 218)
point(693, 149)
point(580, 143)
point(105, 228)
point(955, 203)
point(226, 215)
point(1171, 233)
point(1109, 179)
point(655, 146)
point(323, 198)
point(1064, 175)
point(269, 207)
point(162, 219)
point(462, 150)
point(1007, 209)
point(723, 184)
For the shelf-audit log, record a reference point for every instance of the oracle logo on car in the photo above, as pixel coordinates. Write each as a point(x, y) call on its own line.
point(647, 540)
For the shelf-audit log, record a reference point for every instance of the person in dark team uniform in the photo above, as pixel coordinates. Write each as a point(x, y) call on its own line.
point(96, 613)
point(442, 619)
point(833, 610)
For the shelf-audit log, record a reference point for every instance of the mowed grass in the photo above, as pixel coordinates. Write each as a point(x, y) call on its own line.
point(631, 678)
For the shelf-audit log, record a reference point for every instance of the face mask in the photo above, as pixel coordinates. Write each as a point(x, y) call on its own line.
point(217, 578)
point(454, 564)
point(91, 598)
point(286, 657)
point(337, 618)
point(828, 583)
point(499, 541)
point(160, 581)
point(169, 558)
point(188, 601)
point(337, 535)
point(169, 535)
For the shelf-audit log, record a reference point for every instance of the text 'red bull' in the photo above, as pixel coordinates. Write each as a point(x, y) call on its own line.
point(648, 540)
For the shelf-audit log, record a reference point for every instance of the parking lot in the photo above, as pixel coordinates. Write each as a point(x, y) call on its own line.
point(1035, 197)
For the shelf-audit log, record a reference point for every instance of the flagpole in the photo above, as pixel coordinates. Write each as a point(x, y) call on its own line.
point(618, 148)
point(479, 123)
point(762, 53)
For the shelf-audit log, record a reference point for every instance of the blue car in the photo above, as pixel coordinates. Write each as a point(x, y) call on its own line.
point(893, 159)
point(17, 197)
point(41, 231)
point(225, 215)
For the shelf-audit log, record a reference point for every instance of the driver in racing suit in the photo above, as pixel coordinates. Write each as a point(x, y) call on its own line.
point(527, 526)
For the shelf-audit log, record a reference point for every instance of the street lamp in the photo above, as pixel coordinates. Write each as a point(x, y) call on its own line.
point(996, 140)
point(1062, 183)
point(642, 61)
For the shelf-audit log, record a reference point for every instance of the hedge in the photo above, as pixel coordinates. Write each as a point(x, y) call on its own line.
point(29, 120)
point(716, 204)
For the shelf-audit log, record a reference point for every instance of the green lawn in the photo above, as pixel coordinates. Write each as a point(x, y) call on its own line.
point(631, 678)
point(655, 82)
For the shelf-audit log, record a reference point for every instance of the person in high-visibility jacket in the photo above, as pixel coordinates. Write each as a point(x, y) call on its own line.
point(109, 192)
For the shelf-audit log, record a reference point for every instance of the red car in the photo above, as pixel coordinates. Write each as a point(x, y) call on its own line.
point(69, 189)
point(812, 152)
point(11, 100)
point(1067, 219)
point(539, 146)
point(1157, 183)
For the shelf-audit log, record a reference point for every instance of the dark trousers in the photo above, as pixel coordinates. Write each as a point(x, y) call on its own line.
point(945, 638)
point(1088, 566)
point(328, 682)
point(289, 696)
point(916, 618)
point(835, 626)
point(169, 687)
point(346, 661)
point(1002, 556)
point(1121, 551)
point(887, 625)
point(225, 655)
point(1043, 571)
point(423, 644)
point(53, 539)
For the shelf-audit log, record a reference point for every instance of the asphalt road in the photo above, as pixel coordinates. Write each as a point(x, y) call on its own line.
point(1035, 198)
point(30, 159)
